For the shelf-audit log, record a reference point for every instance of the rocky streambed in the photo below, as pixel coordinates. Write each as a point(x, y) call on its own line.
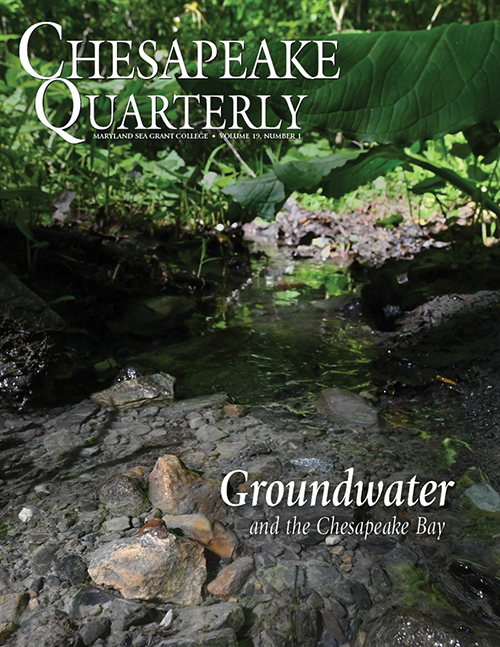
point(361, 516)
point(114, 529)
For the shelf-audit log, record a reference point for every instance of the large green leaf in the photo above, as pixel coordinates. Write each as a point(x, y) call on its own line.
point(394, 87)
point(336, 175)
point(262, 196)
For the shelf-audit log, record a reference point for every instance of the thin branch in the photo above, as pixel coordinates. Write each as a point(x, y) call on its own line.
point(238, 156)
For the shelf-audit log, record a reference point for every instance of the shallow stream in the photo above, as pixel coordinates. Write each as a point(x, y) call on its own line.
point(292, 329)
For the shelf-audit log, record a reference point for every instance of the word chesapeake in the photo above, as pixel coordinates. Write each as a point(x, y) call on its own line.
point(206, 52)
point(346, 493)
point(330, 526)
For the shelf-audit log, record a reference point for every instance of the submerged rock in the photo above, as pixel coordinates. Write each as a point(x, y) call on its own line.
point(176, 490)
point(410, 628)
point(153, 317)
point(346, 408)
point(148, 567)
point(484, 497)
point(158, 388)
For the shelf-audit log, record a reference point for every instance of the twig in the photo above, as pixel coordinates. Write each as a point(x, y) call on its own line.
point(237, 155)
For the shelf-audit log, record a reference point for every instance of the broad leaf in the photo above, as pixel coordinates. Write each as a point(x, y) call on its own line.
point(262, 196)
point(394, 87)
point(336, 175)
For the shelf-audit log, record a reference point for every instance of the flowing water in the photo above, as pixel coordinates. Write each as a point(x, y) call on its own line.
point(292, 329)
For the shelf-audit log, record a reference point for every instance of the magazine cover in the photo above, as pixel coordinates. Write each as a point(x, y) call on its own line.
point(249, 291)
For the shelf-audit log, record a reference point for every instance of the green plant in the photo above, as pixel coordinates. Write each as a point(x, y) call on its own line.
point(450, 449)
point(394, 90)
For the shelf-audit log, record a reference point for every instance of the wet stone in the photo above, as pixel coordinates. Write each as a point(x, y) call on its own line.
point(483, 497)
point(123, 496)
point(410, 627)
point(220, 638)
point(137, 391)
point(149, 566)
point(232, 578)
point(176, 490)
point(321, 577)
point(71, 568)
point(117, 524)
point(95, 628)
point(361, 595)
point(346, 408)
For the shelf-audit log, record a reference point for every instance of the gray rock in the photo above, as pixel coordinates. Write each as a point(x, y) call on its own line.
point(123, 496)
point(343, 594)
point(178, 410)
point(194, 620)
point(76, 416)
point(380, 580)
point(209, 434)
point(132, 393)
point(61, 443)
point(90, 597)
point(285, 576)
point(346, 408)
point(321, 577)
point(220, 638)
point(117, 524)
point(95, 628)
point(126, 614)
point(48, 628)
point(43, 558)
point(71, 568)
point(484, 497)
point(361, 595)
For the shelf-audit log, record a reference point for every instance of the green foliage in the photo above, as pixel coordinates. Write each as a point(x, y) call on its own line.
point(450, 447)
point(394, 89)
